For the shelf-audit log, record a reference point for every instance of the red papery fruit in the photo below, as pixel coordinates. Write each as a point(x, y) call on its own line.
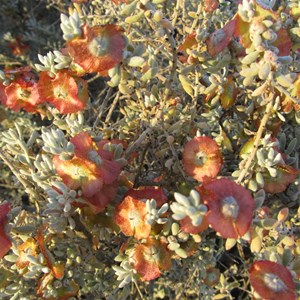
point(84, 143)
point(210, 5)
point(86, 149)
point(3, 97)
point(63, 293)
point(57, 269)
point(145, 193)
point(285, 176)
point(106, 147)
point(103, 152)
point(99, 49)
point(242, 29)
point(189, 42)
point(130, 216)
point(230, 207)
point(22, 93)
point(89, 171)
point(103, 197)
point(283, 42)
point(66, 93)
point(78, 173)
point(187, 226)
point(151, 257)
point(220, 38)
point(202, 158)
point(29, 247)
point(272, 281)
point(4, 239)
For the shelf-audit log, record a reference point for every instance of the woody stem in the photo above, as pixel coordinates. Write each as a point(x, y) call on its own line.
point(258, 136)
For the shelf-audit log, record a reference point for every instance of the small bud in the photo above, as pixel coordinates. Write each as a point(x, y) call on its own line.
point(157, 17)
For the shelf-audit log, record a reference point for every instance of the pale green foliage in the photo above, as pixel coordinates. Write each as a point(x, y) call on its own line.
point(155, 101)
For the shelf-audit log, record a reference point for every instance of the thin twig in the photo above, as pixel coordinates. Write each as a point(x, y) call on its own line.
point(258, 136)
point(175, 155)
point(23, 181)
point(194, 99)
point(139, 291)
point(283, 91)
point(112, 108)
point(93, 78)
point(175, 14)
point(10, 63)
point(8, 186)
point(101, 110)
point(172, 75)
point(139, 169)
point(197, 18)
point(232, 142)
point(178, 296)
point(140, 139)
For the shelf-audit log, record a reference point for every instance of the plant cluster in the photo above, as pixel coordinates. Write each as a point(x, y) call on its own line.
point(151, 151)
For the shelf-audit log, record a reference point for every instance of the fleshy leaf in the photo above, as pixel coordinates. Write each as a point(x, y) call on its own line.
point(229, 95)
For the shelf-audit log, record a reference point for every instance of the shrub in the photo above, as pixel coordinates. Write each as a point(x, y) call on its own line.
point(150, 149)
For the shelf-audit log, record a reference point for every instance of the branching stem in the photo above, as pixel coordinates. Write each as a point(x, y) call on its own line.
point(197, 17)
point(112, 108)
point(258, 136)
point(172, 75)
point(140, 139)
point(102, 107)
point(23, 181)
point(138, 289)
